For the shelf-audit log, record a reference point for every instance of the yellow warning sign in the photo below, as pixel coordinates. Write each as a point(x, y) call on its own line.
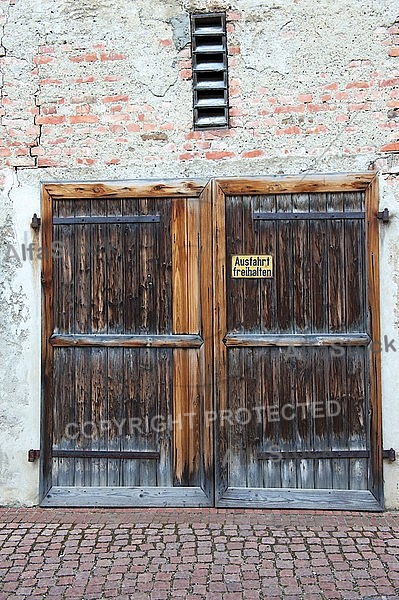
point(251, 266)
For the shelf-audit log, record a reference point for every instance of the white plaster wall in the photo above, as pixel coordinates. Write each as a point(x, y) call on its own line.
point(20, 297)
point(389, 291)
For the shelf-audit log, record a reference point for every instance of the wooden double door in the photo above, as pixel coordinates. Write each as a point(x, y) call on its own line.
point(211, 344)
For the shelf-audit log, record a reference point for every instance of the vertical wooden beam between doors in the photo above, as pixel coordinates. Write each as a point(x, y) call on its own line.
point(219, 284)
point(373, 282)
point(207, 362)
point(185, 225)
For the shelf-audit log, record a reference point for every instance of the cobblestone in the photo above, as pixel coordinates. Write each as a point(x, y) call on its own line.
point(198, 554)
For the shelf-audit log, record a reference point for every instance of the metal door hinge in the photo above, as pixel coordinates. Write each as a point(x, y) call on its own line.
point(389, 454)
point(33, 455)
point(35, 223)
point(384, 215)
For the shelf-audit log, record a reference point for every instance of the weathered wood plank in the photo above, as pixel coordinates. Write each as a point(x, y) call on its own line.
point(234, 298)
point(126, 497)
point(300, 499)
point(318, 266)
point(219, 331)
point(307, 216)
point(119, 454)
point(301, 268)
point(99, 415)
point(290, 184)
point(83, 414)
point(162, 423)
point(355, 272)
point(116, 410)
point(148, 410)
point(127, 341)
point(284, 268)
point(322, 424)
point(310, 339)
point(180, 309)
point(206, 356)
point(373, 295)
point(235, 457)
point(164, 268)
point(266, 244)
point(47, 350)
point(115, 252)
point(358, 426)
point(132, 428)
point(126, 189)
point(336, 265)
point(305, 417)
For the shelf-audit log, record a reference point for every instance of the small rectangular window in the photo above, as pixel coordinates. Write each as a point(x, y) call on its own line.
point(210, 82)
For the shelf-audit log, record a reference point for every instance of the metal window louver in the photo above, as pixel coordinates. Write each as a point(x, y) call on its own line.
point(210, 81)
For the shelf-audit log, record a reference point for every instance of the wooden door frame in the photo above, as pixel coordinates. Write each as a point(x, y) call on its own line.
point(358, 182)
point(199, 191)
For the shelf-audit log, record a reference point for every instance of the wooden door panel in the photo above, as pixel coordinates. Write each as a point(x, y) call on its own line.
point(293, 350)
point(126, 354)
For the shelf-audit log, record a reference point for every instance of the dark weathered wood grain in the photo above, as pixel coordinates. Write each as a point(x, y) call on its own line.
point(306, 354)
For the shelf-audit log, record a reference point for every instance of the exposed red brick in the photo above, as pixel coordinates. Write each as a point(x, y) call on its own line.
point(234, 50)
point(42, 60)
point(90, 57)
point(89, 79)
point(293, 130)
point(112, 56)
point(83, 119)
point(49, 81)
point(305, 98)
point(218, 155)
point(253, 153)
point(236, 112)
point(393, 147)
point(185, 74)
point(300, 108)
point(193, 135)
point(166, 43)
point(317, 129)
point(360, 106)
point(46, 162)
point(358, 84)
point(389, 82)
point(108, 99)
point(49, 120)
point(46, 49)
point(113, 78)
point(318, 107)
point(85, 161)
point(393, 52)
point(49, 110)
point(233, 15)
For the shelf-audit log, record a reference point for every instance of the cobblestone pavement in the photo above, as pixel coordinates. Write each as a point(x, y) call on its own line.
point(183, 553)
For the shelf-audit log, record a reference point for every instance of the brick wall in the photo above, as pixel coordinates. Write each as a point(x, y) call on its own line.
point(78, 92)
